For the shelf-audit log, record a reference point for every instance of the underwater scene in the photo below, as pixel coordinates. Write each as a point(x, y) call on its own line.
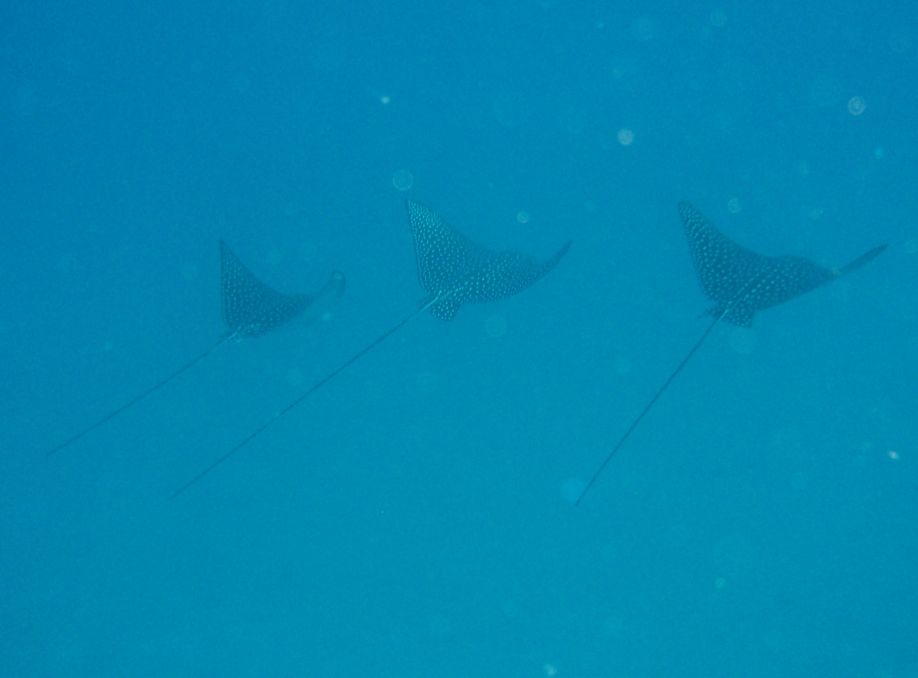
point(501, 339)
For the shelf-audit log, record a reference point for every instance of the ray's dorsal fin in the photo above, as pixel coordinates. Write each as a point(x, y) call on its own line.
point(740, 282)
point(250, 308)
point(453, 270)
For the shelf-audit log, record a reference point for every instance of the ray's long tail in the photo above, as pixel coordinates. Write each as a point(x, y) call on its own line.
point(140, 396)
point(862, 260)
point(305, 394)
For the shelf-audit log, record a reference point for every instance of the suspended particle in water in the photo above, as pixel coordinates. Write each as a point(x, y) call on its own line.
point(385, 100)
point(734, 206)
point(893, 455)
point(522, 217)
point(625, 136)
point(856, 105)
point(403, 180)
point(879, 153)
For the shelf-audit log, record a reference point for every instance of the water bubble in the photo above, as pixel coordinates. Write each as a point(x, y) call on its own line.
point(625, 136)
point(734, 206)
point(856, 105)
point(522, 217)
point(403, 180)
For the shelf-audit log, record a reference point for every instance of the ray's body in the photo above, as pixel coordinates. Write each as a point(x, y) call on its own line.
point(453, 270)
point(740, 282)
point(250, 308)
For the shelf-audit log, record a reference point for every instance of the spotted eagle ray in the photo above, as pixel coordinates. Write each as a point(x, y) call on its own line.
point(250, 308)
point(740, 282)
point(453, 270)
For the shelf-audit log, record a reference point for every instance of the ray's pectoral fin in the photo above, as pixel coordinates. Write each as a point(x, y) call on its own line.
point(250, 306)
point(453, 270)
point(452, 266)
point(446, 309)
point(740, 282)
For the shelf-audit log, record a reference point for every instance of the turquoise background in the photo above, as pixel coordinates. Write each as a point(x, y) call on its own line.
point(413, 518)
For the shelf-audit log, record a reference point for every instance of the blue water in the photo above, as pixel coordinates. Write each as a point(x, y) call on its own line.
point(413, 518)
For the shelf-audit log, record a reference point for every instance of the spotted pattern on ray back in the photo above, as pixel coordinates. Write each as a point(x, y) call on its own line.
point(740, 281)
point(463, 271)
point(250, 307)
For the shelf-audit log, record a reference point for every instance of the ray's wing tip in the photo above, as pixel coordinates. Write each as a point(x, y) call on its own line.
point(413, 206)
point(687, 209)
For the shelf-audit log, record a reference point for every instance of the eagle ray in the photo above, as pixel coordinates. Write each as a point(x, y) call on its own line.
point(740, 282)
point(453, 270)
point(250, 308)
